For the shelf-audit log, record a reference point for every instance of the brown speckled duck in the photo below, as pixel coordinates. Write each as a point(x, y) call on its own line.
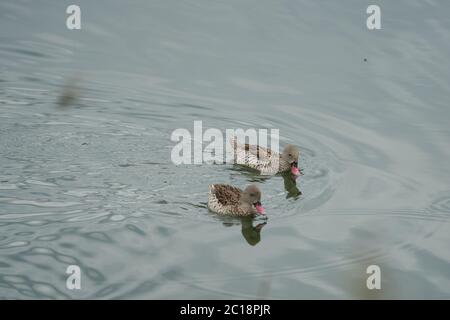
point(266, 161)
point(228, 200)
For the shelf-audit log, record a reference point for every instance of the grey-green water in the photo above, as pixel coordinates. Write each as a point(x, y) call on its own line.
point(89, 181)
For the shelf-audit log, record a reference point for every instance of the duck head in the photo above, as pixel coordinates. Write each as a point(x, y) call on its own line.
point(252, 196)
point(291, 154)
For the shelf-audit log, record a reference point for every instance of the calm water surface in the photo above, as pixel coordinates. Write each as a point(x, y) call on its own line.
point(85, 171)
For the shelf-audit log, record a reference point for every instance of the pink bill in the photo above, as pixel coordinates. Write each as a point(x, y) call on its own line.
point(295, 171)
point(260, 209)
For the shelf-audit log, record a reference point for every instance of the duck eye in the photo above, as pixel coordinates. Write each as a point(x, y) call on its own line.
point(252, 194)
point(290, 155)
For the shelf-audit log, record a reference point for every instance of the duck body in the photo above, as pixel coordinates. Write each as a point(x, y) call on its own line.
point(264, 160)
point(232, 201)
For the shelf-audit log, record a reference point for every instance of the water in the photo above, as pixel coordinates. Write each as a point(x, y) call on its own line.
point(85, 171)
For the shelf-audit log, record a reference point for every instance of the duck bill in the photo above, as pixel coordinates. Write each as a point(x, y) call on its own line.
point(259, 208)
point(294, 169)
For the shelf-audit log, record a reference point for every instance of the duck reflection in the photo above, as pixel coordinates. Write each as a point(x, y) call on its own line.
point(250, 228)
point(290, 185)
point(251, 174)
point(251, 233)
point(290, 180)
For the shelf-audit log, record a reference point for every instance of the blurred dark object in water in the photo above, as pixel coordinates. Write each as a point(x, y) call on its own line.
point(70, 94)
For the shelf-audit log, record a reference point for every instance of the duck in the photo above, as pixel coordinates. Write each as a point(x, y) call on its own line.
point(227, 200)
point(267, 161)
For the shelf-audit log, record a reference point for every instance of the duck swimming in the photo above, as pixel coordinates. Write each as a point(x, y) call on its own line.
point(266, 161)
point(224, 199)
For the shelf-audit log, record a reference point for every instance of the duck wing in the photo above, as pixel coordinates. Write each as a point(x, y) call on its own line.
point(226, 194)
point(259, 152)
point(256, 151)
